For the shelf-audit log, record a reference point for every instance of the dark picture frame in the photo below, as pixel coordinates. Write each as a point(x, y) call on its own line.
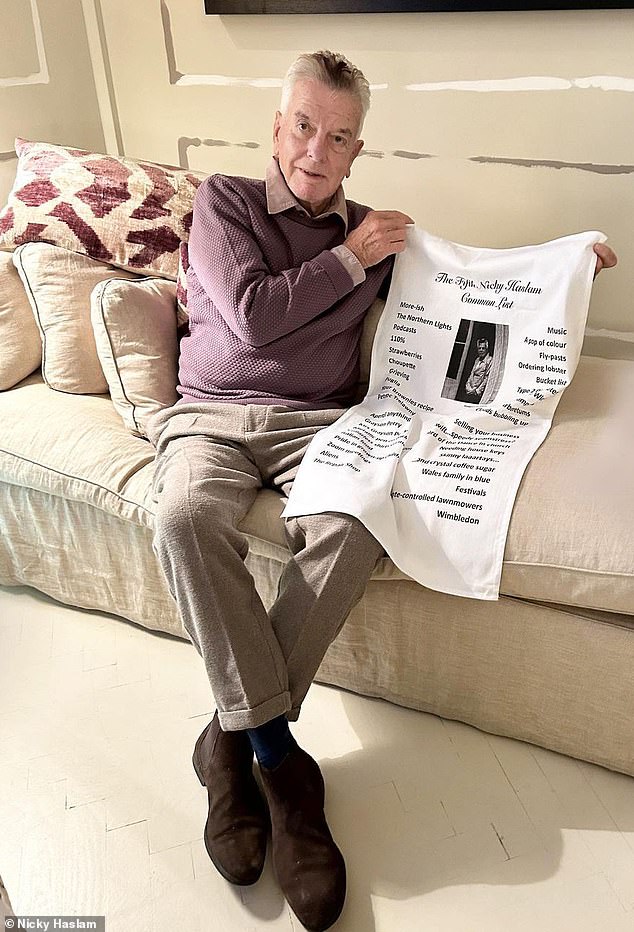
point(227, 7)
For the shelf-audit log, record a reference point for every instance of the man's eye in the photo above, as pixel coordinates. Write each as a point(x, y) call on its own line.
point(341, 142)
point(302, 126)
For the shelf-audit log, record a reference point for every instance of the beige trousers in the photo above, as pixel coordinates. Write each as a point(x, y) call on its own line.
point(211, 461)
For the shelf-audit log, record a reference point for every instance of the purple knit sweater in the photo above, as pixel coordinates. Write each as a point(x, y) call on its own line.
point(275, 317)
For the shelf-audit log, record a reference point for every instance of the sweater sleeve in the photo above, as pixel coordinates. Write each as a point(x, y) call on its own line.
point(258, 306)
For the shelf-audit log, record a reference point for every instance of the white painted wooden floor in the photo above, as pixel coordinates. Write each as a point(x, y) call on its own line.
point(444, 828)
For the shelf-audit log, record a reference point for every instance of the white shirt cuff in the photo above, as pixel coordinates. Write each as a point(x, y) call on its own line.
point(350, 263)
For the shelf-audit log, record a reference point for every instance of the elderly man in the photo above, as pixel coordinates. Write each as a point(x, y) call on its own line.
point(282, 273)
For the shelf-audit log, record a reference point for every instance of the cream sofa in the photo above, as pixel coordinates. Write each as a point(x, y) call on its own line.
point(551, 662)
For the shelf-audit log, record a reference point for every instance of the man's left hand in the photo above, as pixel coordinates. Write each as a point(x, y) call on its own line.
point(606, 257)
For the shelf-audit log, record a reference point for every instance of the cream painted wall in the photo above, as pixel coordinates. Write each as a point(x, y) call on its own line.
point(526, 151)
point(488, 128)
point(47, 88)
point(19, 55)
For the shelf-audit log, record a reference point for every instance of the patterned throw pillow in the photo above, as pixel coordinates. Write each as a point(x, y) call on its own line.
point(118, 210)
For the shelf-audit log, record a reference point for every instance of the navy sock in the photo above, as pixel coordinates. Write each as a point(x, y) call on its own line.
point(272, 741)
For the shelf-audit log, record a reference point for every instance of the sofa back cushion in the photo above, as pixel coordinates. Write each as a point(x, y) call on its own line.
point(59, 284)
point(128, 213)
point(571, 537)
point(134, 323)
point(20, 345)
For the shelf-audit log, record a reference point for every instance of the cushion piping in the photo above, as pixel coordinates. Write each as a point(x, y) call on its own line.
point(59, 472)
point(573, 569)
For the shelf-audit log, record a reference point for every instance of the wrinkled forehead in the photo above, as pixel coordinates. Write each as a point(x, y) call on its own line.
point(336, 110)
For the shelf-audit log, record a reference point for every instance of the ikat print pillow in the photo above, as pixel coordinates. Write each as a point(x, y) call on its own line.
point(128, 213)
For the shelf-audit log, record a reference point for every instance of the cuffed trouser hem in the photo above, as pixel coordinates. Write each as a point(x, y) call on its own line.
point(251, 718)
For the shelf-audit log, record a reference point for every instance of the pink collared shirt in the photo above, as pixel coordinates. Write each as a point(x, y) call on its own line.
point(279, 198)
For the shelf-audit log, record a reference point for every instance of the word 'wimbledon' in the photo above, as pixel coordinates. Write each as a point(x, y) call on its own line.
point(465, 519)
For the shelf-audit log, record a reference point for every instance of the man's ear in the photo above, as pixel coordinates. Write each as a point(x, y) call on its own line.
point(358, 146)
point(277, 123)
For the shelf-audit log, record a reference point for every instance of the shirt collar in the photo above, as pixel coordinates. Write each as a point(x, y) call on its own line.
point(279, 197)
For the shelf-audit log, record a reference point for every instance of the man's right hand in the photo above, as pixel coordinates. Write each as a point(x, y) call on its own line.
point(381, 233)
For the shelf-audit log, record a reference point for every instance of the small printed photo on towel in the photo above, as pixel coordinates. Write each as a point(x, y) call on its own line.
point(476, 365)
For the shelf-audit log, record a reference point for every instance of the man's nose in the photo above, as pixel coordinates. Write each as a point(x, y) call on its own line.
point(317, 147)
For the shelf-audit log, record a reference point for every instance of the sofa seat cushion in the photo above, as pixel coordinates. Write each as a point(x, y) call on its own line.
point(571, 535)
point(571, 538)
point(75, 447)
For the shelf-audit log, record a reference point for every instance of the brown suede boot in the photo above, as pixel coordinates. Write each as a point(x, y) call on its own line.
point(237, 824)
point(309, 866)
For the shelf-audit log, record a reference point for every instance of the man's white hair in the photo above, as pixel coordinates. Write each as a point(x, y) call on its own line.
point(332, 69)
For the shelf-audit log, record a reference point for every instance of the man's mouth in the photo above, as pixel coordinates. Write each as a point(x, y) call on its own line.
point(311, 174)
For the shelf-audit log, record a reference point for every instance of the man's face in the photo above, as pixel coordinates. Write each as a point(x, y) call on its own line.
point(316, 141)
point(483, 349)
